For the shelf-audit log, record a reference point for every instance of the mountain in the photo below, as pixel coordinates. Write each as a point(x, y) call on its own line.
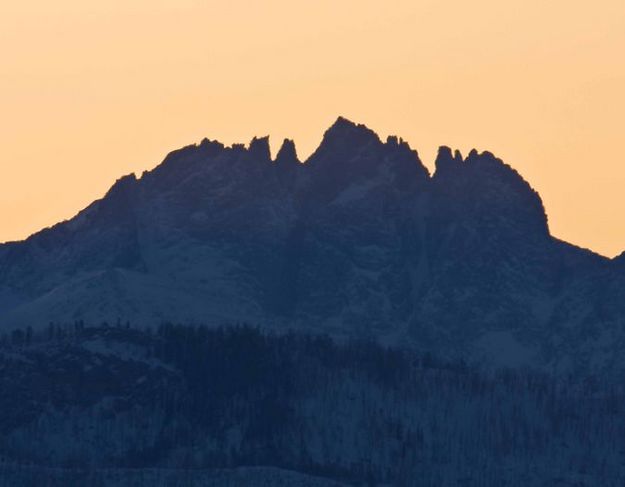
point(357, 241)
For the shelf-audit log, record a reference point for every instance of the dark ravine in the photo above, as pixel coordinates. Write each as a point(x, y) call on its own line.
point(359, 241)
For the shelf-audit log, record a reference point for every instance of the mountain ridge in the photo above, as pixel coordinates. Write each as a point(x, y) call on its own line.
point(358, 240)
point(445, 156)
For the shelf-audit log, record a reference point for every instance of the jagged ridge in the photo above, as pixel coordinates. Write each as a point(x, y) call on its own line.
point(359, 239)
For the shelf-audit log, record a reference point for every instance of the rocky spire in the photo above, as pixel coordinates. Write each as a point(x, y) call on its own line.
point(259, 148)
point(404, 160)
point(211, 148)
point(445, 161)
point(287, 153)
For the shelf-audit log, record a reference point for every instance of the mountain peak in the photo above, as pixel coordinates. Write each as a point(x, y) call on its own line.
point(342, 123)
point(287, 153)
point(345, 137)
point(259, 148)
point(211, 148)
point(346, 129)
point(445, 161)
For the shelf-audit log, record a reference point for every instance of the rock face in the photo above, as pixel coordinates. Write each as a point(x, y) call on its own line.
point(358, 240)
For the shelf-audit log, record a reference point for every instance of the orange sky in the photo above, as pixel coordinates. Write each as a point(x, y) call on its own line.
point(93, 90)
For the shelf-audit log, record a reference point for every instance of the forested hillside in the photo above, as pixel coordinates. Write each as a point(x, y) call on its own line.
point(113, 399)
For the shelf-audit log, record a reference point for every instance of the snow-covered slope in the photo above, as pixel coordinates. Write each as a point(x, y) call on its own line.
point(360, 240)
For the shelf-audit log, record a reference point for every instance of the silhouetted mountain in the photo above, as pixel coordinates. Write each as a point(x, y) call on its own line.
point(359, 240)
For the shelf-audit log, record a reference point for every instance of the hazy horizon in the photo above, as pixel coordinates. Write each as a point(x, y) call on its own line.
point(93, 92)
